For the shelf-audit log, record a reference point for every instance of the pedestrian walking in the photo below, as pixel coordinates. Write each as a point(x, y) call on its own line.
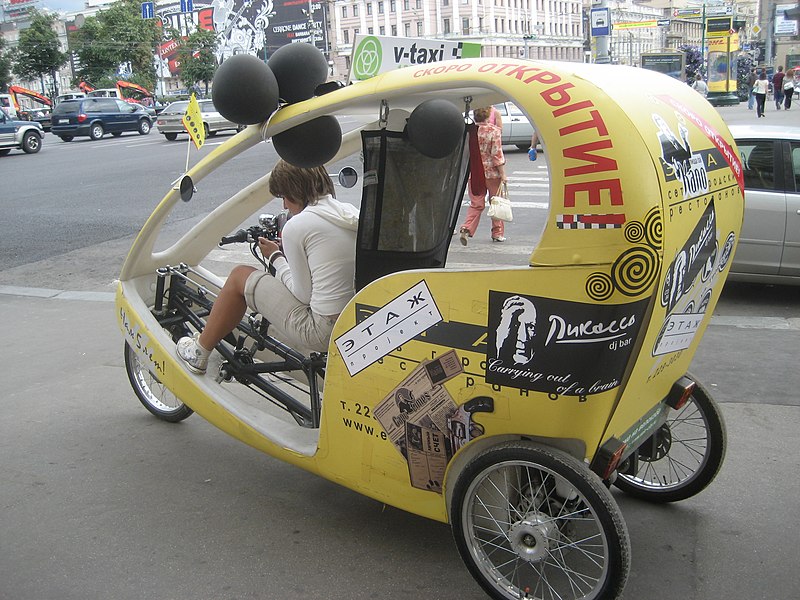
point(492, 160)
point(788, 88)
point(760, 89)
point(751, 94)
point(777, 87)
point(700, 86)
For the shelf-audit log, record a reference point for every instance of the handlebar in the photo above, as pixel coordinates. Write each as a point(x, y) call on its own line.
point(269, 226)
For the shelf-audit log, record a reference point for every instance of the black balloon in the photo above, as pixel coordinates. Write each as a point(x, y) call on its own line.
point(436, 128)
point(245, 90)
point(299, 69)
point(310, 144)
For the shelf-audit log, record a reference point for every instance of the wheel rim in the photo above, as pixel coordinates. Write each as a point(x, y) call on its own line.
point(155, 392)
point(533, 534)
point(676, 453)
point(33, 143)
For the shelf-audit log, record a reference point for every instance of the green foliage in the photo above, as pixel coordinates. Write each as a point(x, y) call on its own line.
point(197, 56)
point(38, 51)
point(743, 67)
point(694, 60)
point(116, 36)
point(6, 62)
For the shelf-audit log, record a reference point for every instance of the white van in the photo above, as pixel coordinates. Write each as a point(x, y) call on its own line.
point(7, 102)
point(105, 93)
point(69, 96)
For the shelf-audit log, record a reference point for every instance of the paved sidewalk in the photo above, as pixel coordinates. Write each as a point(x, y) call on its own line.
point(101, 500)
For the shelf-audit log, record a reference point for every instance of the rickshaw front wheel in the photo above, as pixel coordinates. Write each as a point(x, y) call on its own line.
point(533, 522)
point(151, 392)
point(682, 457)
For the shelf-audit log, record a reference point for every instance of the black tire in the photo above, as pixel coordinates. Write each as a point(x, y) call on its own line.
point(151, 393)
point(683, 456)
point(31, 143)
point(171, 136)
point(206, 130)
point(66, 138)
point(144, 126)
point(533, 522)
point(117, 134)
point(96, 131)
point(5, 151)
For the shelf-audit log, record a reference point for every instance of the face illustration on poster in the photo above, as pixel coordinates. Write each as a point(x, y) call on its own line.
point(517, 331)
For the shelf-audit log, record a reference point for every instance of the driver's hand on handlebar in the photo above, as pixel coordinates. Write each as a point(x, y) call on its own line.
point(267, 247)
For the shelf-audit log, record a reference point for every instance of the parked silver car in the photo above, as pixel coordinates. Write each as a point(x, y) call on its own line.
point(517, 129)
point(769, 244)
point(169, 121)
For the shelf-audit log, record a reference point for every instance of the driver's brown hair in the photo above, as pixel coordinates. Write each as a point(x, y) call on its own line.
point(299, 184)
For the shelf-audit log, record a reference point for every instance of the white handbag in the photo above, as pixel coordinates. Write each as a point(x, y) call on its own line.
point(500, 205)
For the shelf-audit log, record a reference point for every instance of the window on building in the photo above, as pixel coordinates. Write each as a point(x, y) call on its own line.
point(407, 4)
point(356, 31)
point(394, 29)
point(382, 30)
point(346, 36)
point(393, 6)
point(344, 12)
point(446, 26)
point(407, 29)
point(355, 10)
point(369, 8)
point(418, 4)
point(465, 25)
point(445, 2)
point(419, 27)
point(380, 8)
point(370, 30)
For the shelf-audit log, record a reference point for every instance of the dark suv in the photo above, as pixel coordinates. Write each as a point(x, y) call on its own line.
point(97, 116)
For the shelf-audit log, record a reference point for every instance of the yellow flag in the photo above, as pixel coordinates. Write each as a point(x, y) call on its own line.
point(193, 121)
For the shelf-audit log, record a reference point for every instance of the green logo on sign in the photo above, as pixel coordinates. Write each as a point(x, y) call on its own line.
point(369, 57)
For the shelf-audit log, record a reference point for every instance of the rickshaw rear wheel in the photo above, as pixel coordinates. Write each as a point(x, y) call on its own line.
point(682, 457)
point(533, 522)
point(151, 392)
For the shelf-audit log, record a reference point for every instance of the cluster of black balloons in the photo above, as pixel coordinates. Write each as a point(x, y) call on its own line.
point(247, 90)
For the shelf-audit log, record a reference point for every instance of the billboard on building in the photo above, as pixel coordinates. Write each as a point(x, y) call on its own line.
point(784, 26)
point(257, 27)
point(17, 9)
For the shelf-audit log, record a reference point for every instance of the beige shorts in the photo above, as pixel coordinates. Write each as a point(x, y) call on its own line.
point(292, 322)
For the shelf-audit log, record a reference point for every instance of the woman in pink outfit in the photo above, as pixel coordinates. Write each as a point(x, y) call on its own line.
point(491, 150)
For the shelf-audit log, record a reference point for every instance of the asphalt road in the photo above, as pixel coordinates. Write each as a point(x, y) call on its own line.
point(100, 500)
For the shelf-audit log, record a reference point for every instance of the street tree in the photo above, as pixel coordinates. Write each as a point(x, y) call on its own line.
point(744, 64)
point(117, 40)
point(694, 60)
point(197, 56)
point(38, 51)
point(6, 62)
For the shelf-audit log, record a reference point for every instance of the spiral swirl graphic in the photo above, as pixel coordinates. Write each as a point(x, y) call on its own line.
point(634, 231)
point(635, 270)
point(599, 286)
point(654, 228)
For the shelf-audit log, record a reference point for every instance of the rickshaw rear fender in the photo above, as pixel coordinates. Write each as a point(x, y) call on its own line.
point(571, 446)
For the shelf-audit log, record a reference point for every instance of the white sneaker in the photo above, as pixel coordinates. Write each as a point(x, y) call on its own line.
point(194, 356)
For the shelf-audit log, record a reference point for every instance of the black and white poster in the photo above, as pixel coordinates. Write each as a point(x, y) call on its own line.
point(559, 347)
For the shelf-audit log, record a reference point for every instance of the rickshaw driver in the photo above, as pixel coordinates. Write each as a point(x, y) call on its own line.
point(312, 282)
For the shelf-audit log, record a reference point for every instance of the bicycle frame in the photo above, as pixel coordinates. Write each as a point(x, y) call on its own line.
point(181, 291)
